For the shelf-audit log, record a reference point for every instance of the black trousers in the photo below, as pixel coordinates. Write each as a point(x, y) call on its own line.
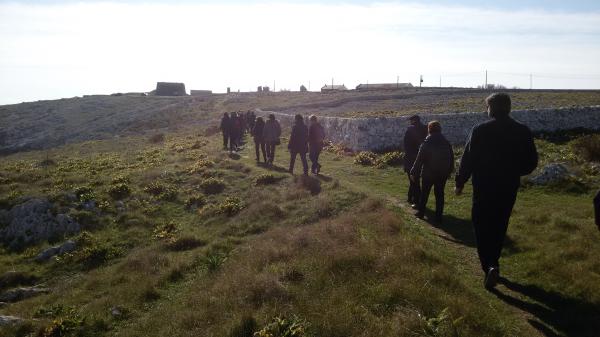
point(270, 147)
point(438, 189)
point(259, 145)
point(313, 155)
point(414, 190)
point(293, 161)
point(490, 214)
point(225, 140)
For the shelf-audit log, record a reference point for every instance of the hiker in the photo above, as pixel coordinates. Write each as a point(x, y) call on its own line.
point(413, 138)
point(250, 121)
point(243, 124)
point(316, 139)
point(434, 164)
point(236, 132)
point(497, 153)
point(597, 209)
point(259, 142)
point(226, 129)
point(298, 144)
point(271, 134)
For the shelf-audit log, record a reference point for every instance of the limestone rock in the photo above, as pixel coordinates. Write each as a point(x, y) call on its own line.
point(66, 247)
point(18, 294)
point(551, 173)
point(9, 320)
point(33, 221)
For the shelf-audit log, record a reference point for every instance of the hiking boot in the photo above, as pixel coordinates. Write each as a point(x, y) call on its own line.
point(414, 206)
point(491, 278)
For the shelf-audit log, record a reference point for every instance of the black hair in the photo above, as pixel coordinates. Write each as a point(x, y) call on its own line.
point(499, 104)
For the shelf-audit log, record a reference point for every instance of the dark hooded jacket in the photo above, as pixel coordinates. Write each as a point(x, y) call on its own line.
point(435, 159)
point(299, 138)
point(226, 124)
point(257, 131)
point(413, 138)
point(316, 135)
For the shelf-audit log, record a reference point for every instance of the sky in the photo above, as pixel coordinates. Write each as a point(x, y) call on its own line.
point(53, 49)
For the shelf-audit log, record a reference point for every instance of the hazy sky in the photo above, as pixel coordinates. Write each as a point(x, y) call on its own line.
point(54, 49)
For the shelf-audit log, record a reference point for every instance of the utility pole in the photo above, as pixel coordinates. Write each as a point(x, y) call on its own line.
point(397, 81)
point(308, 85)
point(332, 83)
point(486, 80)
point(420, 80)
point(440, 81)
point(530, 81)
point(274, 86)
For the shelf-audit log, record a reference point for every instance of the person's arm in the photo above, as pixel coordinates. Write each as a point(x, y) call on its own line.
point(292, 137)
point(597, 209)
point(451, 157)
point(415, 171)
point(465, 168)
point(529, 158)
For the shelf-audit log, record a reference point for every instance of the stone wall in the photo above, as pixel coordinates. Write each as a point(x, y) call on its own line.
point(388, 132)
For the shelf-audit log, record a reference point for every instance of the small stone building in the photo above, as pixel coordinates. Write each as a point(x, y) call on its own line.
point(333, 88)
point(170, 89)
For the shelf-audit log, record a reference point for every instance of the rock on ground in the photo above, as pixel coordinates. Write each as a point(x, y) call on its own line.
point(46, 254)
point(18, 294)
point(551, 173)
point(9, 320)
point(33, 221)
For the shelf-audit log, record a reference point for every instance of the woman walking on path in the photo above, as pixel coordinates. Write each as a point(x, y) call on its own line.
point(298, 144)
point(316, 138)
point(271, 134)
point(259, 142)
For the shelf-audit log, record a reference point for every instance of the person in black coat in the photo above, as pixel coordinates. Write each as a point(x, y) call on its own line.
point(413, 138)
point(259, 141)
point(434, 164)
point(298, 144)
point(497, 153)
point(226, 129)
point(316, 141)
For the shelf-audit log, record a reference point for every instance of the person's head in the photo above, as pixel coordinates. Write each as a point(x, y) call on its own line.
point(498, 105)
point(259, 120)
point(226, 114)
point(414, 119)
point(434, 127)
point(271, 117)
point(312, 118)
point(299, 118)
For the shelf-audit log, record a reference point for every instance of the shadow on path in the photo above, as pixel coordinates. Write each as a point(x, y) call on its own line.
point(459, 230)
point(555, 312)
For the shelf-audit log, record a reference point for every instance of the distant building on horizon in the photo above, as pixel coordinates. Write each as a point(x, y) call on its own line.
point(170, 89)
point(333, 88)
point(200, 92)
point(383, 86)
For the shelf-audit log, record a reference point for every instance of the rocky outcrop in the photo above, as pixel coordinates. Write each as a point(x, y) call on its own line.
point(46, 254)
point(9, 320)
point(33, 221)
point(551, 173)
point(19, 294)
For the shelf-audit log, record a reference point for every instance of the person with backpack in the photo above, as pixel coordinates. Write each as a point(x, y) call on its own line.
point(434, 164)
point(497, 153)
point(316, 141)
point(413, 138)
point(259, 141)
point(271, 134)
point(298, 144)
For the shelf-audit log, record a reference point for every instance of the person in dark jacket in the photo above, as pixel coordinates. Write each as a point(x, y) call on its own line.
point(597, 209)
point(259, 142)
point(298, 144)
point(226, 129)
point(413, 138)
point(236, 132)
point(434, 164)
point(497, 153)
point(271, 134)
point(316, 139)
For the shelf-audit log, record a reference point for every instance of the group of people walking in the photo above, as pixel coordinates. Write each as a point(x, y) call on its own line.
point(497, 153)
point(267, 135)
point(234, 126)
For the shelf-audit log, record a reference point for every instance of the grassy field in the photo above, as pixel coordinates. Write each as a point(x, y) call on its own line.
point(187, 240)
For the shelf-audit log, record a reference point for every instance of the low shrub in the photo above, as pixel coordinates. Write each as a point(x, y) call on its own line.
point(395, 158)
point(119, 190)
point(161, 191)
point(120, 179)
point(166, 232)
point(230, 206)
point(366, 158)
point(195, 201)
point(265, 179)
point(588, 147)
point(157, 138)
point(245, 328)
point(212, 185)
point(200, 166)
point(284, 327)
point(214, 260)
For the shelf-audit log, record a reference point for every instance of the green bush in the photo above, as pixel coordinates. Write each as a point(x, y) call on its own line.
point(212, 185)
point(195, 201)
point(200, 166)
point(119, 190)
point(588, 147)
point(265, 179)
point(166, 232)
point(395, 158)
point(230, 206)
point(161, 191)
point(366, 158)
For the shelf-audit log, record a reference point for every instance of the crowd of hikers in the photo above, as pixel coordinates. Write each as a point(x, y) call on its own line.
point(496, 154)
point(267, 135)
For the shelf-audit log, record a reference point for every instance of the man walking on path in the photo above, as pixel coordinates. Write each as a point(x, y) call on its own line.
point(298, 144)
point(434, 164)
point(259, 142)
point(271, 134)
point(226, 129)
point(497, 154)
point(413, 138)
point(316, 138)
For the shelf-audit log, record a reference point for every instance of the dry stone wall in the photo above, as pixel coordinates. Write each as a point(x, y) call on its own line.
point(388, 132)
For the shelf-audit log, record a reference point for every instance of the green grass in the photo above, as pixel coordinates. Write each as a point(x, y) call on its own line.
point(233, 245)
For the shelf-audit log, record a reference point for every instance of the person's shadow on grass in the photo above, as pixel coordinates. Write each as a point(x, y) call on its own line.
point(555, 314)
